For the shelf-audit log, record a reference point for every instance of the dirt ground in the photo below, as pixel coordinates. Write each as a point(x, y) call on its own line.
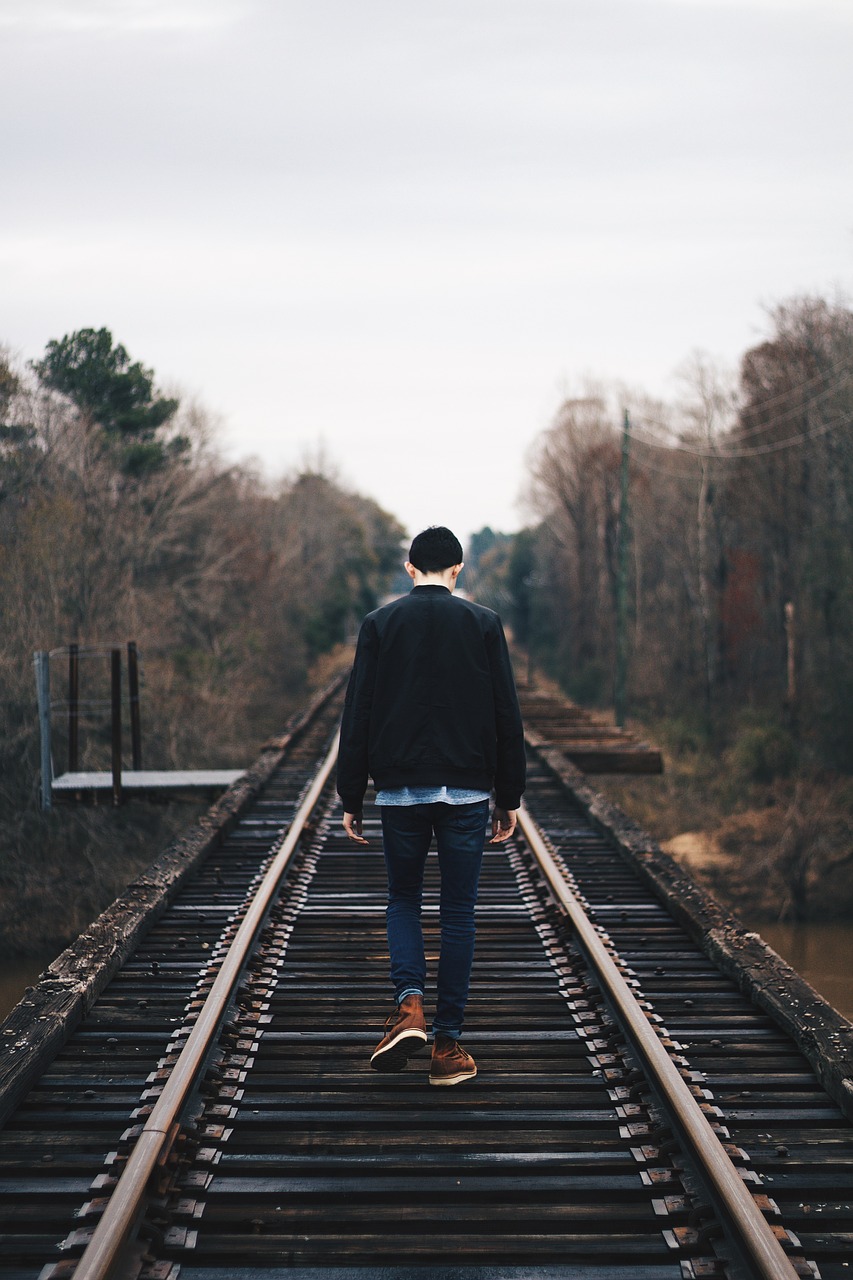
point(781, 850)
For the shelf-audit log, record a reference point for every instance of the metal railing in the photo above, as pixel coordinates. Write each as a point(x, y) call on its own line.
point(72, 706)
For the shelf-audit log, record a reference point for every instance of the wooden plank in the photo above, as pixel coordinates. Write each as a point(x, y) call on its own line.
point(564, 1161)
point(564, 1270)
point(148, 779)
point(370, 1246)
point(625, 760)
point(592, 743)
point(475, 1115)
point(387, 1190)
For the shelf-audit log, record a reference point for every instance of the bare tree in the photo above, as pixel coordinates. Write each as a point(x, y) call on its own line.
point(707, 412)
point(574, 490)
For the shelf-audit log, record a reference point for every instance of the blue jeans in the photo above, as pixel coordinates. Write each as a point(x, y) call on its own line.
point(460, 832)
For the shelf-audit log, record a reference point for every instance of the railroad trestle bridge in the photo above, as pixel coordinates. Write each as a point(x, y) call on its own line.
point(186, 1092)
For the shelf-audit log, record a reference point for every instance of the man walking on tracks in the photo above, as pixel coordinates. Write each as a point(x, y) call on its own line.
point(432, 715)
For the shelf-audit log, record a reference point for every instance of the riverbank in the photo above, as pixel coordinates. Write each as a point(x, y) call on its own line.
point(770, 851)
point(778, 850)
point(822, 953)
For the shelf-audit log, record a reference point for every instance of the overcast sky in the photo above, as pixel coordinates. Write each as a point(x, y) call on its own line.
point(404, 232)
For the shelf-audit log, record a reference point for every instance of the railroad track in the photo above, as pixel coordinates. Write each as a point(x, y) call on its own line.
point(635, 1116)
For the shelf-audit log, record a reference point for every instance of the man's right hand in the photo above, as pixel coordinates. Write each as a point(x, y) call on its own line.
point(352, 826)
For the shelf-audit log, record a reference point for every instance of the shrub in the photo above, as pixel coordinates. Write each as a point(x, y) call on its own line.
point(762, 752)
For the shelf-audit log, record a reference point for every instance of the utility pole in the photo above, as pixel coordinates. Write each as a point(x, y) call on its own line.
point(622, 579)
point(73, 708)
point(791, 647)
point(133, 685)
point(115, 701)
point(42, 665)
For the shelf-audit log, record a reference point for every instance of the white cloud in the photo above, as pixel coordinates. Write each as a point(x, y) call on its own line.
point(379, 223)
point(833, 8)
point(120, 15)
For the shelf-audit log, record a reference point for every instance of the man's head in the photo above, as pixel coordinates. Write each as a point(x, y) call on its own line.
point(435, 549)
point(435, 553)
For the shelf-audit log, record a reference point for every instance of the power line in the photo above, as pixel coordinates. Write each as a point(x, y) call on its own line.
point(776, 446)
point(646, 464)
point(760, 428)
point(843, 363)
point(793, 412)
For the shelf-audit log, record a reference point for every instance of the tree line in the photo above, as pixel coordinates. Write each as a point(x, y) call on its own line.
point(740, 528)
point(119, 521)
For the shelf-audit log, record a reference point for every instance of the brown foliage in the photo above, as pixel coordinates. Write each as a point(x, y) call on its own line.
point(231, 589)
point(741, 526)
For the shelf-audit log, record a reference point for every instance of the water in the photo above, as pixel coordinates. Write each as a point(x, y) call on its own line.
point(822, 953)
point(16, 976)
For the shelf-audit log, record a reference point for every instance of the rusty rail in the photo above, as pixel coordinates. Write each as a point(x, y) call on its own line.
point(754, 1235)
point(127, 1200)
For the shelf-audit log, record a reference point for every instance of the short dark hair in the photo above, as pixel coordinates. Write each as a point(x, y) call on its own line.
point(434, 549)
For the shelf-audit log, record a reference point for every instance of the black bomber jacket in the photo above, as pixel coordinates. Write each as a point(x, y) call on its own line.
point(431, 701)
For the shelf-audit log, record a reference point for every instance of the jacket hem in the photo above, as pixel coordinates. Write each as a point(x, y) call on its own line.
point(471, 779)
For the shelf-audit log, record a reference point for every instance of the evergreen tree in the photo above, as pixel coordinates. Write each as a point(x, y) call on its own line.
point(115, 393)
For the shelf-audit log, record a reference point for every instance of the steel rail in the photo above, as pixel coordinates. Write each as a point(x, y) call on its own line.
point(113, 1231)
point(755, 1235)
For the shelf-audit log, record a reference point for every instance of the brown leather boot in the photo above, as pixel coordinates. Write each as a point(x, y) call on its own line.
point(405, 1034)
point(450, 1063)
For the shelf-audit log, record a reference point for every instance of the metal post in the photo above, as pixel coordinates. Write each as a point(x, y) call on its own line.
point(42, 665)
point(73, 708)
point(115, 693)
point(622, 580)
point(133, 687)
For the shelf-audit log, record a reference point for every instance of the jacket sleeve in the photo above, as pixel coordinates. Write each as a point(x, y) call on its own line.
point(355, 725)
point(511, 769)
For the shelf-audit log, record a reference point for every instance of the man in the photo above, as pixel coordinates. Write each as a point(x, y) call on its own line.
point(432, 715)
